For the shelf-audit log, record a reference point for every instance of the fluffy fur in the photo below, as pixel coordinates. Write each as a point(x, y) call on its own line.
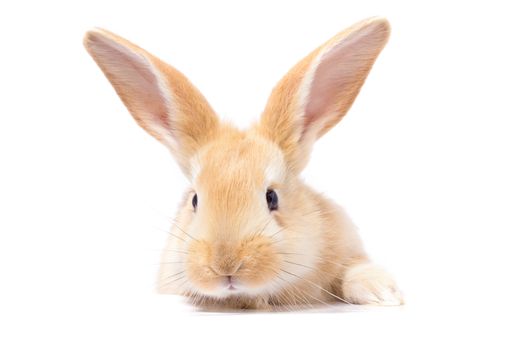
point(231, 251)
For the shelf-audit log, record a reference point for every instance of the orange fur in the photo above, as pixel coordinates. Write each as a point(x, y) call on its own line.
point(231, 251)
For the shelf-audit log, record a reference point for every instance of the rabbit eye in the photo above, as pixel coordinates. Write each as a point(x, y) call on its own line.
point(194, 201)
point(272, 200)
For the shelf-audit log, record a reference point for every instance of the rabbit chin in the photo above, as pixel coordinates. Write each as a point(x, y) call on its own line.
point(225, 290)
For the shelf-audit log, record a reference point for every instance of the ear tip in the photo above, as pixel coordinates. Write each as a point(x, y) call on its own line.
point(91, 36)
point(384, 24)
point(96, 34)
point(379, 20)
point(379, 25)
point(376, 29)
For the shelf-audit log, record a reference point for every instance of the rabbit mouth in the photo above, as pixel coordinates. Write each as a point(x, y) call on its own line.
point(231, 284)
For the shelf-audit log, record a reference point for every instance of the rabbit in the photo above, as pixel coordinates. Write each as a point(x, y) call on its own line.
point(249, 233)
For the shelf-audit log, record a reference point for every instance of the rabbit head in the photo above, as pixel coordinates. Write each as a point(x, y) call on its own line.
point(247, 207)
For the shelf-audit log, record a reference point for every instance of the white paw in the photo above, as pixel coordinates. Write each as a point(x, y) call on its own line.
point(367, 283)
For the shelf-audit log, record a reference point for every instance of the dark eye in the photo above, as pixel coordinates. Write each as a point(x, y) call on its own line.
point(194, 201)
point(272, 200)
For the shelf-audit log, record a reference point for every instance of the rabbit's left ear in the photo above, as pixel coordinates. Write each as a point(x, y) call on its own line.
point(160, 98)
point(317, 93)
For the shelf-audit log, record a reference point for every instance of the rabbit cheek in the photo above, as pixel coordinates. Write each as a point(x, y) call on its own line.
point(260, 262)
point(198, 268)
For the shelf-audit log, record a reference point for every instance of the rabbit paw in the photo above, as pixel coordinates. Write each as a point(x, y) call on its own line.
point(366, 283)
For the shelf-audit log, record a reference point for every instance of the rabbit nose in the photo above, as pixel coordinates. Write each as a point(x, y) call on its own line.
point(226, 267)
point(225, 260)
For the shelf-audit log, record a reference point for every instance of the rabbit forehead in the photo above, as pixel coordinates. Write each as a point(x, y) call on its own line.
point(239, 160)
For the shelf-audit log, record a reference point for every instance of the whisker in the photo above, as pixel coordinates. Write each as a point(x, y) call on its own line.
point(289, 302)
point(172, 234)
point(177, 288)
point(306, 303)
point(316, 285)
point(316, 211)
point(177, 226)
point(320, 211)
point(294, 296)
point(308, 294)
point(276, 233)
point(183, 283)
point(280, 240)
point(312, 268)
point(322, 259)
point(288, 299)
point(164, 278)
point(259, 232)
point(198, 298)
point(284, 238)
point(175, 250)
point(316, 299)
point(173, 275)
point(264, 227)
point(170, 282)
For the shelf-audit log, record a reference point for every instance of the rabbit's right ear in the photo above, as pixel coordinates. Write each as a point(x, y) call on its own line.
point(160, 98)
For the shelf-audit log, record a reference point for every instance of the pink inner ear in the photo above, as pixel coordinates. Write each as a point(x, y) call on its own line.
point(339, 77)
point(134, 80)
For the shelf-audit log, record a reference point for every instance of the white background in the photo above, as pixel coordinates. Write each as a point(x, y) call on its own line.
point(429, 162)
